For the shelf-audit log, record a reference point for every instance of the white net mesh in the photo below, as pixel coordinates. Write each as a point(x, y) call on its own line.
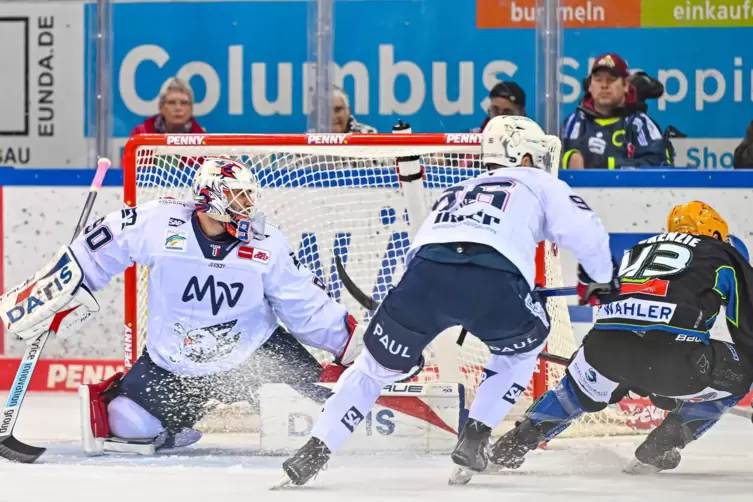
point(347, 201)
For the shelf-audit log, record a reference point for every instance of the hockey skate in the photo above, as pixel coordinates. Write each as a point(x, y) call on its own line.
point(470, 453)
point(661, 449)
point(170, 439)
point(510, 450)
point(305, 464)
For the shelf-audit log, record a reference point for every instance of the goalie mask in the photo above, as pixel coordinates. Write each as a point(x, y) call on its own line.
point(226, 190)
point(506, 140)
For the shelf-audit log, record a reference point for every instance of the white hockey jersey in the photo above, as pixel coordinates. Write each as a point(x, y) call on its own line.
point(210, 304)
point(512, 210)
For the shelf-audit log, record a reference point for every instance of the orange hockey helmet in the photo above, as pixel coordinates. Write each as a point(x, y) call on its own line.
point(697, 218)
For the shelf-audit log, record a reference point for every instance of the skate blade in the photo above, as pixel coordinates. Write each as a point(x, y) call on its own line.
point(284, 481)
point(638, 468)
point(460, 476)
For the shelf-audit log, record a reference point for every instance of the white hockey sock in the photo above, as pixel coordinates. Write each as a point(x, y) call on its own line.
point(354, 395)
point(504, 381)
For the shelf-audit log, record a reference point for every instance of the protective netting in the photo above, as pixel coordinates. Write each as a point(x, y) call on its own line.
point(348, 202)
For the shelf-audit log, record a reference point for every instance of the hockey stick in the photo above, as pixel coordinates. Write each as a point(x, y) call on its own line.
point(10, 447)
point(371, 304)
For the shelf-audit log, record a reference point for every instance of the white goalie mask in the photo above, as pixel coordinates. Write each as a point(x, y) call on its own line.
point(226, 190)
point(507, 139)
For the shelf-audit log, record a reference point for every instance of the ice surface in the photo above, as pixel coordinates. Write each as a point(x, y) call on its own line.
point(226, 469)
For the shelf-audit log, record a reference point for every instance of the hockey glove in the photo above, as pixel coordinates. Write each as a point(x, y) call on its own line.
point(596, 293)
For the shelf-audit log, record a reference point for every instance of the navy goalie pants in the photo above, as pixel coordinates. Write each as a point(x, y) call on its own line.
point(496, 306)
point(180, 401)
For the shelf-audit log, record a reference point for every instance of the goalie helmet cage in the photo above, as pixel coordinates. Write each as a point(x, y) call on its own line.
point(339, 194)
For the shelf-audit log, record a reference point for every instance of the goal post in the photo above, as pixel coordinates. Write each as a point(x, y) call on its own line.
point(341, 195)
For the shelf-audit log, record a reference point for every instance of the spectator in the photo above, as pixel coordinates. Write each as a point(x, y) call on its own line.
point(610, 128)
point(175, 112)
point(744, 151)
point(342, 119)
point(506, 98)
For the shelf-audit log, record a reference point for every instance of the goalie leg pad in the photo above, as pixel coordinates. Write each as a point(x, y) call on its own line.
point(128, 420)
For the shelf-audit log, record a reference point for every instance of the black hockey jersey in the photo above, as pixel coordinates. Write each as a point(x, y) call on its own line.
point(678, 282)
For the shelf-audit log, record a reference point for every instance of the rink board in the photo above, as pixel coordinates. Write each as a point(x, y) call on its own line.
point(39, 205)
point(407, 417)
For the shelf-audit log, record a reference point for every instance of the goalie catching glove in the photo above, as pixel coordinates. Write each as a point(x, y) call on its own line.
point(55, 300)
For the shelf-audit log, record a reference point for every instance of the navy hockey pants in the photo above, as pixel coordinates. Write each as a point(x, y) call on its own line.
point(496, 306)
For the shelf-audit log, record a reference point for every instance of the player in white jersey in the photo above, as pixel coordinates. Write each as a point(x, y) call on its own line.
point(219, 279)
point(472, 265)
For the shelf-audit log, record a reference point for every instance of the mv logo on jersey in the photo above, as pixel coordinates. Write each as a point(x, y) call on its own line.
point(218, 292)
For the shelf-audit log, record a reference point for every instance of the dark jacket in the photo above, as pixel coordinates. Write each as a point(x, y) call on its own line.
point(744, 151)
point(628, 139)
point(156, 124)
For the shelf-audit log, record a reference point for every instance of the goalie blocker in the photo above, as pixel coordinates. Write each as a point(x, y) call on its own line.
point(55, 299)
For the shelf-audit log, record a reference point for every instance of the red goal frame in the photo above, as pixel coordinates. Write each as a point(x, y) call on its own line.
point(129, 165)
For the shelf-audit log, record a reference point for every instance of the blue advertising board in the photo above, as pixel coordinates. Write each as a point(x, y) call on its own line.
point(423, 61)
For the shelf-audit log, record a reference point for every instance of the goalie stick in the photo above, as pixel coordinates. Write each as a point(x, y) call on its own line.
point(10, 447)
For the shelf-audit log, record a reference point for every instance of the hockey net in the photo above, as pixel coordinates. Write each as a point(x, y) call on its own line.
point(339, 194)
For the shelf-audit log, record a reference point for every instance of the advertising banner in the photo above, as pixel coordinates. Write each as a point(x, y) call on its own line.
point(429, 63)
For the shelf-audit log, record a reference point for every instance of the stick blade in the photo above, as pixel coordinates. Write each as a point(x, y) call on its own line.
point(16, 451)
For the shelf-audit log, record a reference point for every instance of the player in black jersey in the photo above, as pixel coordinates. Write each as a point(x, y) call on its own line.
point(653, 339)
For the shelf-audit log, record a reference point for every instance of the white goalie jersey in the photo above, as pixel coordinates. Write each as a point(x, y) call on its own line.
point(513, 209)
point(211, 303)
